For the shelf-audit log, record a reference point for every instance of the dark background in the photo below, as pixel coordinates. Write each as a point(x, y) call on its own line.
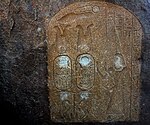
point(23, 67)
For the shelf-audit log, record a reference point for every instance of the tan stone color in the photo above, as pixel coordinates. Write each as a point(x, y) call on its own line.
point(93, 63)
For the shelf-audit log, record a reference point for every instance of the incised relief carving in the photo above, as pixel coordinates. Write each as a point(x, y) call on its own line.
point(94, 72)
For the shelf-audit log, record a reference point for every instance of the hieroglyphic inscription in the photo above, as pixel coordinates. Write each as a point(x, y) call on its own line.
point(85, 71)
point(62, 72)
point(94, 71)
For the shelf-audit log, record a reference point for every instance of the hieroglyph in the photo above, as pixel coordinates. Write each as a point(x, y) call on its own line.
point(93, 63)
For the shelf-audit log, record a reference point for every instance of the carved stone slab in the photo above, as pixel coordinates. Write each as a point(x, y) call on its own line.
point(94, 71)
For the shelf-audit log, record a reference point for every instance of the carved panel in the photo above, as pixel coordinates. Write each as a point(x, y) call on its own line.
point(94, 72)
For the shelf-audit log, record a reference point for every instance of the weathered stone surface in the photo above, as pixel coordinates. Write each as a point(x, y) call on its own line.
point(93, 52)
point(23, 72)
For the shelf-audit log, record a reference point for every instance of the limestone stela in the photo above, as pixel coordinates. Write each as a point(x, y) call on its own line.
point(94, 72)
